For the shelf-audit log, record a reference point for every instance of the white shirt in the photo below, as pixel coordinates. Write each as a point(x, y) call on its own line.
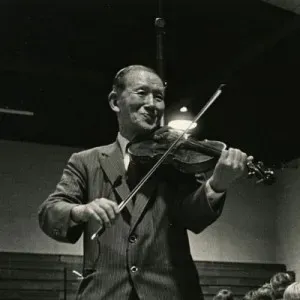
point(123, 144)
point(210, 193)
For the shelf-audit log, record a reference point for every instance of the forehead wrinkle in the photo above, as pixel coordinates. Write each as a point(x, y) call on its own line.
point(155, 86)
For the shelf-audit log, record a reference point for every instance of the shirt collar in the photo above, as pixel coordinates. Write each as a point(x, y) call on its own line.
point(123, 143)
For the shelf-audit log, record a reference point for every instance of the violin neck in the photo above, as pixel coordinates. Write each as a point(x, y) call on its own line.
point(205, 147)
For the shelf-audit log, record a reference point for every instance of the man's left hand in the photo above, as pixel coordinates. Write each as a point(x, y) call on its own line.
point(230, 166)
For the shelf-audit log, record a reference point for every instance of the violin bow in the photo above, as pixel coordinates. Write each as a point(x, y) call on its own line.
point(160, 25)
point(122, 205)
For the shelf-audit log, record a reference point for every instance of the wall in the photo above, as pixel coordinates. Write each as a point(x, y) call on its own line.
point(29, 172)
point(245, 231)
point(288, 221)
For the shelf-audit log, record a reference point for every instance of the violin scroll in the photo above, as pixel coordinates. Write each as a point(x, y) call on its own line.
point(264, 175)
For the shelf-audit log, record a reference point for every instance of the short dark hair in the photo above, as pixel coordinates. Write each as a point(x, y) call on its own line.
point(279, 282)
point(263, 293)
point(249, 295)
point(119, 80)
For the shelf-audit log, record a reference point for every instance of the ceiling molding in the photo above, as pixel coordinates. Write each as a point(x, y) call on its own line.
point(290, 5)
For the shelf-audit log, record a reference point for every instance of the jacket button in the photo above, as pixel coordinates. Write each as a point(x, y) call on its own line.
point(134, 269)
point(132, 239)
point(55, 232)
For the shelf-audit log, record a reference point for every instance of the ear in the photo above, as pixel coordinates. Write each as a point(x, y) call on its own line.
point(113, 101)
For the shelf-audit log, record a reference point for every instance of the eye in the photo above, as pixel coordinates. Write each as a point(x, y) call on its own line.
point(159, 97)
point(142, 92)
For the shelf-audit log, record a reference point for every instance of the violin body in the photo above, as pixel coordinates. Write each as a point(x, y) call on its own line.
point(185, 158)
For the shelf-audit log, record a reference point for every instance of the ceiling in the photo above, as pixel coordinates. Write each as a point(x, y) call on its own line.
point(58, 59)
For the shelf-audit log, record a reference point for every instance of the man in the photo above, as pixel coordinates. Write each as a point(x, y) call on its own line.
point(144, 252)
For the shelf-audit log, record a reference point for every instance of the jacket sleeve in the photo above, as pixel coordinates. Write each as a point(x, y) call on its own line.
point(54, 212)
point(195, 210)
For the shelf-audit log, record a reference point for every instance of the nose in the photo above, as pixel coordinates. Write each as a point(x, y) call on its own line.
point(150, 101)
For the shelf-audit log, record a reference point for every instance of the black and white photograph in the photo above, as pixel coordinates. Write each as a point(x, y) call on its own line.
point(149, 150)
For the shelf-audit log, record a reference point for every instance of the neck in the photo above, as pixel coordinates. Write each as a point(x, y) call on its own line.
point(126, 134)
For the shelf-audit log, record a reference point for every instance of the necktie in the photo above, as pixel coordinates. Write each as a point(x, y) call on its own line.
point(132, 178)
point(132, 175)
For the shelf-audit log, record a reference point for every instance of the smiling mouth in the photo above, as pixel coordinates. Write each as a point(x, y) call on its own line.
point(151, 117)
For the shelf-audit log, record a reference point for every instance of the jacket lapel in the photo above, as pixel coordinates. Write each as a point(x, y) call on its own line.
point(142, 198)
point(113, 166)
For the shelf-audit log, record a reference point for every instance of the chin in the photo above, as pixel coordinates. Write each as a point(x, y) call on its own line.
point(146, 127)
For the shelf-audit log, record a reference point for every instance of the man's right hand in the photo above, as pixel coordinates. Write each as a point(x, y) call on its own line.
point(102, 210)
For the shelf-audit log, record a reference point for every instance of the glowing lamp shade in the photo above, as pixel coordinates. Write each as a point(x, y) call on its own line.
point(181, 124)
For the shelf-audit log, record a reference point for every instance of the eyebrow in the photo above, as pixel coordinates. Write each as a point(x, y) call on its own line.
point(143, 86)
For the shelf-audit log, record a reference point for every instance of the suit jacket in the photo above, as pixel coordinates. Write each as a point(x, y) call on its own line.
point(147, 248)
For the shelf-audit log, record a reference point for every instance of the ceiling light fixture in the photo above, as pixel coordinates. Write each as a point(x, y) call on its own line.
point(182, 124)
point(16, 112)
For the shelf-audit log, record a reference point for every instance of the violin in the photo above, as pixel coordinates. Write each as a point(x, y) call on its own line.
point(189, 156)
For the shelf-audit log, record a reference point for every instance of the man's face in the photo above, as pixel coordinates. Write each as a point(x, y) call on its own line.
point(141, 103)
